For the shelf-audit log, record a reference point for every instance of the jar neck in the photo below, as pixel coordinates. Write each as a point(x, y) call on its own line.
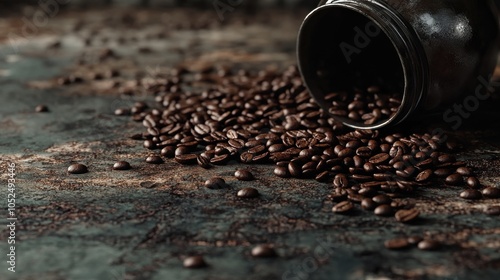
point(405, 42)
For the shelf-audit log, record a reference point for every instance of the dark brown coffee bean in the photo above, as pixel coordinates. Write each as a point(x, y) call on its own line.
point(148, 144)
point(379, 158)
point(465, 171)
point(454, 180)
point(244, 175)
point(406, 216)
point(194, 262)
point(491, 192)
point(186, 159)
point(276, 148)
point(343, 207)
point(220, 160)
point(41, 109)
point(168, 152)
point(323, 176)
point(282, 171)
point(77, 168)
point(203, 161)
point(397, 244)
point(248, 193)
point(263, 251)
point(257, 149)
point(383, 210)
point(492, 210)
point(121, 165)
point(246, 157)
point(471, 194)
point(473, 182)
point(340, 181)
point(424, 176)
point(443, 172)
point(153, 159)
point(182, 150)
point(414, 240)
point(368, 204)
point(429, 245)
point(215, 183)
point(382, 199)
point(295, 169)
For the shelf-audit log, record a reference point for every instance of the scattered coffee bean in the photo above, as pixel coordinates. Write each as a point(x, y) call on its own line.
point(194, 262)
point(492, 210)
point(263, 251)
point(471, 194)
point(406, 216)
point(244, 175)
point(248, 193)
point(491, 192)
point(454, 179)
point(368, 204)
point(216, 183)
point(343, 207)
point(473, 182)
point(464, 171)
point(382, 199)
point(121, 165)
point(281, 171)
point(41, 109)
point(154, 159)
point(397, 243)
point(383, 210)
point(186, 159)
point(429, 245)
point(77, 168)
point(414, 240)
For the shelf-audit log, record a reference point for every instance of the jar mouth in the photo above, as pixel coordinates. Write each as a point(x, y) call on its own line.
point(361, 64)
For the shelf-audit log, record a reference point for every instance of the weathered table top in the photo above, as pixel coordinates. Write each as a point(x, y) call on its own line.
point(121, 225)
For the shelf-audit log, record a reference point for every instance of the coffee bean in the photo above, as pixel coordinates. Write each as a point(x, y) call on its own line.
point(491, 192)
point(244, 175)
point(121, 165)
point(473, 182)
point(41, 109)
point(263, 251)
point(429, 245)
point(340, 181)
point(471, 194)
point(382, 199)
point(281, 171)
point(203, 161)
point(383, 210)
point(379, 158)
point(397, 243)
point(248, 193)
point(454, 179)
point(443, 172)
point(295, 169)
point(465, 171)
point(194, 262)
point(414, 240)
point(424, 175)
point(220, 160)
point(492, 210)
point(215, 183)
point(77, 168)
point(343, 207)
point(153, 159)
point(168, 152)
point(186, 159)
point(368, 204)
point(406, 216)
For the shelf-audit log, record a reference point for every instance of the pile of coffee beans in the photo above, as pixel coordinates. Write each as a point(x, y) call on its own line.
point(269, 117)
point(368, 107)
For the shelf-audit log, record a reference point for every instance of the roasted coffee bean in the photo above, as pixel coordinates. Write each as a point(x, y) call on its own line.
point(491, 192)
point(406, 216)
point(186, 159)
point(215, 183)
point(471, 194)
point(382, 199)
point(343, 207)
point(295, 169)
point(181, 150)
point(263, 251)
point(443, 172)
point(244, 175)
point(203, 161)
point(383, 210)
point(368, 204)
point(397, 243)
point(41, 109)
point(323, 176)
point(379, 158)
point(246, 157)
point(220, 160)
point(194, 262)
point(282, 171)
point(414, 240)
point(148, 144)
point(154, 159)
point(492, 210)
point(77, 168)
point(429, 245)
point(473, 182)
point(248, 193)
point(465, 171)
point(340, 181)
point(424, 176)
point(454, 180)
point(121, 165)
point(168, 151)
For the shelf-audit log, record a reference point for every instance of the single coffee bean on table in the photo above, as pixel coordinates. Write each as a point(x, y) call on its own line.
point(343, 207)
point(41, 109)
point(154, 159)
point(491, 192)
point(406, 216)
point(194, 262)
point(215, 183)
point(263, 251)
point(244, 175)
point(248, 193)
point(121, 165)
point(429, 245)
point(397, 243)
point(77, 168)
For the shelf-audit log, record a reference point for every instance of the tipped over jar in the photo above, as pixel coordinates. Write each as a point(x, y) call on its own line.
point(375, 63)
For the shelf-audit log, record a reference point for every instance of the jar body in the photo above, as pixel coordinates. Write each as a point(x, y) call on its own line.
point(433, 51)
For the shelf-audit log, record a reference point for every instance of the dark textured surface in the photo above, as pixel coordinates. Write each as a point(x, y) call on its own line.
point(141, 223)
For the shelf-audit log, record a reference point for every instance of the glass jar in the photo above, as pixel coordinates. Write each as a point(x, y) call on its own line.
point(374, 63)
